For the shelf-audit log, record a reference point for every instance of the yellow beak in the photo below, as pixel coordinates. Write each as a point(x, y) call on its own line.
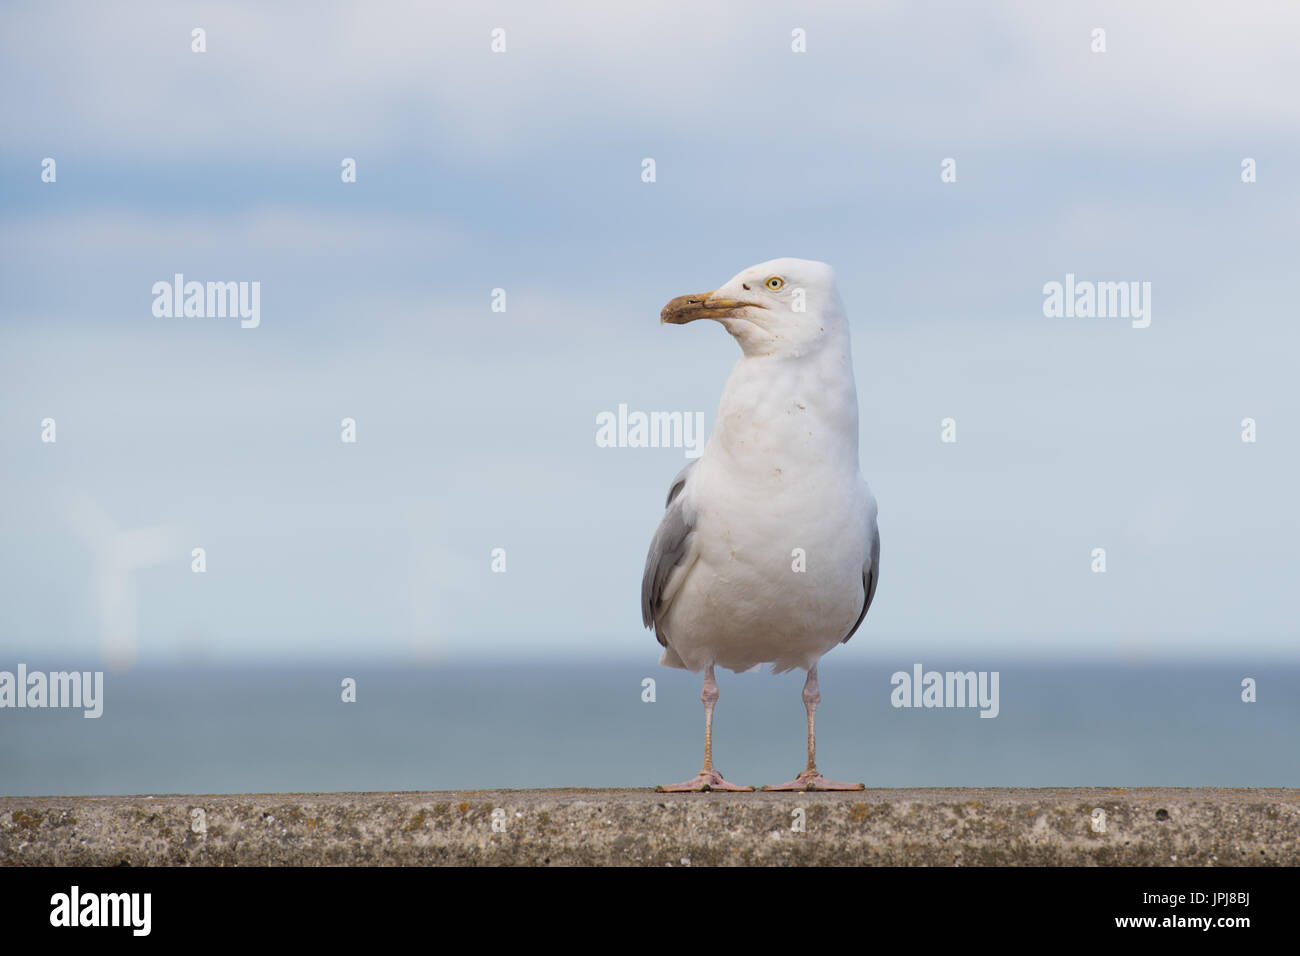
point(688, 308)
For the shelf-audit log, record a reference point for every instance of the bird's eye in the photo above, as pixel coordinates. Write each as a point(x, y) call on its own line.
point(774, 283)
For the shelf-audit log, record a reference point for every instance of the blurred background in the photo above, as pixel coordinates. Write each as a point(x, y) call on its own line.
point(522, 170)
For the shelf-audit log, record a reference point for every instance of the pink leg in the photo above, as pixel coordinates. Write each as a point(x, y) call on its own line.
point(708, 778)
point(811, 778)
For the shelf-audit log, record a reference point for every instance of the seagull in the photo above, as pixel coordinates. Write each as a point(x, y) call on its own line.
point(768, 550)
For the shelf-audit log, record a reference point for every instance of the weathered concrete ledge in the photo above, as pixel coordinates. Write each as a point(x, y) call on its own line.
point(965, 827)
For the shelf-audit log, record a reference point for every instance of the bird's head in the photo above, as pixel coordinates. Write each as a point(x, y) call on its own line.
point(780, 307)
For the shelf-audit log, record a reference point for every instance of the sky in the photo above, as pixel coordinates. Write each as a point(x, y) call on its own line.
point(522, 170)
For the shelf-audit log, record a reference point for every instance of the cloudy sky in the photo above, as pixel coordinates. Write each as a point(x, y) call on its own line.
point(522, 170)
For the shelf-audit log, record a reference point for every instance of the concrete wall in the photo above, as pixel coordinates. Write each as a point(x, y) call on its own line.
point(1194, 827)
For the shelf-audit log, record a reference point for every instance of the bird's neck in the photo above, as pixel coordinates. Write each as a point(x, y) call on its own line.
point(806, 405)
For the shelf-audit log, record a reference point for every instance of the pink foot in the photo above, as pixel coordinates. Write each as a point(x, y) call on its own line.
point(705, 780)
point(813, 780)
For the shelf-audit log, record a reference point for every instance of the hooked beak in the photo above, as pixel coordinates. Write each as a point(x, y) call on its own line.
point(688, 308)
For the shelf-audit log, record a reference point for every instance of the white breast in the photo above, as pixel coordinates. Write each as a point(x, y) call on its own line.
point(783, 521)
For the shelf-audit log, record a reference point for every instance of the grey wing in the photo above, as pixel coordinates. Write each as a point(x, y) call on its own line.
point(870, 575)
point(667, 550)
point(679, 481)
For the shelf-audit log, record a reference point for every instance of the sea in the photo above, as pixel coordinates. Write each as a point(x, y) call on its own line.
point(260, 728)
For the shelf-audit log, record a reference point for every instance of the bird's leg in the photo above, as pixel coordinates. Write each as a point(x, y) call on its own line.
point(708, 778)
point(811, 778)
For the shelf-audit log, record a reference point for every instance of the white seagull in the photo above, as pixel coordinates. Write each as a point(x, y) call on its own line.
point(768, 551)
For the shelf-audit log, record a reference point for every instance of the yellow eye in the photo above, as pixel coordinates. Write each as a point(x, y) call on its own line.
point(774, 283)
